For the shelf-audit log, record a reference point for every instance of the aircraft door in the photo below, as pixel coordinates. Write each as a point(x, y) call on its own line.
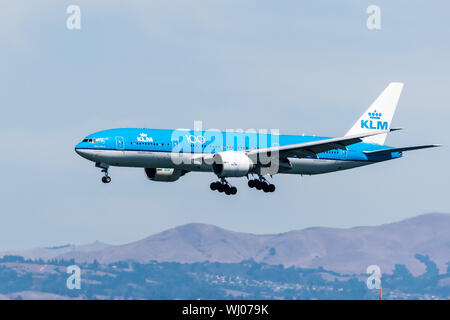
point(120, 143)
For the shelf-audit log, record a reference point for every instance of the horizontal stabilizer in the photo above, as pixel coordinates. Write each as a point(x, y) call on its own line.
point(385, 151)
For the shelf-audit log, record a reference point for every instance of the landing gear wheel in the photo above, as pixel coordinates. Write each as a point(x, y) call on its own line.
point(213, 186)
point(221, 187)
point(271, 187)
point(259, 184)
point(265, 187)
point(106, 179)
point(251, 183)
point(233, 190)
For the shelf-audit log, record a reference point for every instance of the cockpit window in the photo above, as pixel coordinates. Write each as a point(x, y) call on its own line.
point(90, 140)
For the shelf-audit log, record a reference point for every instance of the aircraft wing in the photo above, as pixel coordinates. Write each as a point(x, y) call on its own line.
point(387, 151)
point(314, 147)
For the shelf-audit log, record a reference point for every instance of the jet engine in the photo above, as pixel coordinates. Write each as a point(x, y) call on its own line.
point(164, 174)
point(232, 164)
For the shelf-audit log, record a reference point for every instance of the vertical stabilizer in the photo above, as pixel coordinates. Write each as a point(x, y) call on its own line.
point(378, 116)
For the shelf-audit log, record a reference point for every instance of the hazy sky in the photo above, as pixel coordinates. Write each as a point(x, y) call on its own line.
point(301, 67)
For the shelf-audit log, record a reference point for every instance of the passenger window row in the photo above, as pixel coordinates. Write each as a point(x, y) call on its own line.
point(151, 143)
point(218, 147)
point(175, 143)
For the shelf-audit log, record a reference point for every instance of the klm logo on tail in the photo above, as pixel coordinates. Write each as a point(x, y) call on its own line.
point(375, 122)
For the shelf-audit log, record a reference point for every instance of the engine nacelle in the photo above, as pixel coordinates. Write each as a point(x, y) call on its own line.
point(232, 164)
point(164, 174)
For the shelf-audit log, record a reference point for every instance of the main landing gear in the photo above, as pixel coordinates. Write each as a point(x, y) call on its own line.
point(223, 186)
point(261, 184)
point(106, 178)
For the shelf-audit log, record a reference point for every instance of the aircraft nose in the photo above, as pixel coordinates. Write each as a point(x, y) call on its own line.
point(88, 154)
point(83, 152)
point(77, 149)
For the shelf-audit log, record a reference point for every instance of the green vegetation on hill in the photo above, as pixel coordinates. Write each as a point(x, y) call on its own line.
point(244, 280)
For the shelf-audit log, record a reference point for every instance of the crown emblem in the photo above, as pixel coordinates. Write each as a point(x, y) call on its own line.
point(143, 135)
point(375, 115)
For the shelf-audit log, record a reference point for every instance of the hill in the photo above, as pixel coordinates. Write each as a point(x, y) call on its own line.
point(346, 250)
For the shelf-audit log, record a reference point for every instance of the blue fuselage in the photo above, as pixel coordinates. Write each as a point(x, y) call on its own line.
point(146, 148)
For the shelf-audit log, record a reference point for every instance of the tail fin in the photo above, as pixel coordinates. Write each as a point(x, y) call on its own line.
point(378, 116)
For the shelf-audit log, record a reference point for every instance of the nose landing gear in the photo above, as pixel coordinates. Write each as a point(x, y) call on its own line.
point(106, 178)
point(223, 186)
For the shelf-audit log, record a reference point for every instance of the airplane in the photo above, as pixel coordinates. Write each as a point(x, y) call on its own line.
point(166, 155)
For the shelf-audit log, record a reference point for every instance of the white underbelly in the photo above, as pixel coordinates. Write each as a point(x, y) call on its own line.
point(150, 159)
point(318, 166)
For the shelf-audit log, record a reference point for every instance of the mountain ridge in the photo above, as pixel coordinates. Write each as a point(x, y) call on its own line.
point(347, 250)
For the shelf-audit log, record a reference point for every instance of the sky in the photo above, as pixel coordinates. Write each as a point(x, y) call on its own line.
point(310, 68)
